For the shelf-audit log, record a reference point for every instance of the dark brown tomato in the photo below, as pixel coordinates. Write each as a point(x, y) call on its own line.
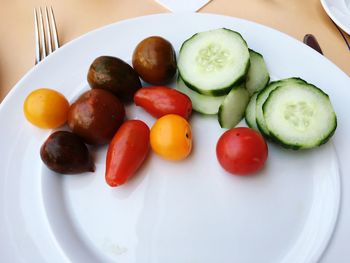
point(114, 75)
point(96, 116)
point(154, 60)
point(66, 153)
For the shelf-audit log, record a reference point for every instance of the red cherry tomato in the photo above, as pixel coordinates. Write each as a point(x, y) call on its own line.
point(159, 101)
point(241, 151)
point(127, 151)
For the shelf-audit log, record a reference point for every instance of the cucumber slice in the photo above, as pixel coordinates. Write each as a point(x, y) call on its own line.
point(213, 62)
point(299, 116)
point(250, 112)
point(200, 103)
point(260, 100)
point(233, 107)
point(257, 76)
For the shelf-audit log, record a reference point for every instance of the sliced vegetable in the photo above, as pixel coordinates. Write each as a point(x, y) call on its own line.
point(212, 62)
point(299, 115)
point(241, 151)
point(201, 103)
point(250, 112)
point(159, 101)
point(257, 75)
point(233, 107)
point(126, 152)
point(261, 98)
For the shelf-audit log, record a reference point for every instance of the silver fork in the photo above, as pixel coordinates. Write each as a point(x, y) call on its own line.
point(46, 37)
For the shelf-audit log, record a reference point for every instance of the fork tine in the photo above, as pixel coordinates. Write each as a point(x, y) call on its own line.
point(54, 30)
point(48, 32)
point(36, 33)
point(42, 35)
point(46, 37)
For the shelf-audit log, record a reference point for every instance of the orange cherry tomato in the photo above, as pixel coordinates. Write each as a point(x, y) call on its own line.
point(46, 108)
point(126, 152)
point(171, 137)
point(160, 100)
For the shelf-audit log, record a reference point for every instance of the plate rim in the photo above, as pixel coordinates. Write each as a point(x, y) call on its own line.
point(345, 27)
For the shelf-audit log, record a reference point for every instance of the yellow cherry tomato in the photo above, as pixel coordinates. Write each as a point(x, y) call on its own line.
point(46, 108)
point(171, 137)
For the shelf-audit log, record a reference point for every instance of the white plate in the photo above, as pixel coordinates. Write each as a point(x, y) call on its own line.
point(190, 211)
point(339, 12)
